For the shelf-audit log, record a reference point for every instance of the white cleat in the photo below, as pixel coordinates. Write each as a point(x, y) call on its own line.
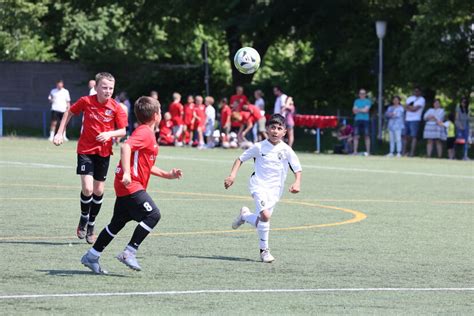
point(238, 221)
point(266, 256)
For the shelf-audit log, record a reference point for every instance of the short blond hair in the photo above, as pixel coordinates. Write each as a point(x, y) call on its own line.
point(103, 75)
point(144, 109)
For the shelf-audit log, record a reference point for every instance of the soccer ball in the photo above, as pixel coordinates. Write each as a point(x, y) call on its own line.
point(247, 60)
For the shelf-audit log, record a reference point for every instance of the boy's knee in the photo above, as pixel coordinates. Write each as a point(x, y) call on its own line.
point(87, 191)
point(265, 216)
point(153, 218)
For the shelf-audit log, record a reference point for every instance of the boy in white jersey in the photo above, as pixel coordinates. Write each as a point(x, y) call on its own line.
point(272, 158)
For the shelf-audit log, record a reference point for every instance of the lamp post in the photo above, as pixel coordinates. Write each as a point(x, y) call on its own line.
point(380, 28)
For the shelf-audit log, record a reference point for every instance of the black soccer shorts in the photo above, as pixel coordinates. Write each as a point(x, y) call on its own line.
point(93, 165)
point(137, 206)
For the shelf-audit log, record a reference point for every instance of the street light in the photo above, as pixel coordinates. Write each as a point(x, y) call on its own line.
point(380, 28)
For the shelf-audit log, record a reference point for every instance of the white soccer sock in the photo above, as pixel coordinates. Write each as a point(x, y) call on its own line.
point(131, 250)
point(51, 133)
point(263, 230)
point(94, 252)
point(251, 218)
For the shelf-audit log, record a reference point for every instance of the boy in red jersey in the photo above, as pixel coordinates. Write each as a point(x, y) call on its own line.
point(137, 159)
point(200, 120)
point(176, 110)
point(256, 118)
point(189, 120)
point(103, 119)
point(166, 137)
point(240, 97)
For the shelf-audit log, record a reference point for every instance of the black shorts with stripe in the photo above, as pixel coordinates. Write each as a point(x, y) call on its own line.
point(94, 165)
point(136, 206)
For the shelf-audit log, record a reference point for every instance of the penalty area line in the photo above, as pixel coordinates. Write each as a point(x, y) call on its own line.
point(236, 291)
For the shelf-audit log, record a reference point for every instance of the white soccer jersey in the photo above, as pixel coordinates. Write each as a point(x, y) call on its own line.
point(271, 166)
point(59, 99)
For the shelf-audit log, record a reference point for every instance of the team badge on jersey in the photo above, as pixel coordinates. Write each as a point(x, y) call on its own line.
point(280, 156)
point(108, 112)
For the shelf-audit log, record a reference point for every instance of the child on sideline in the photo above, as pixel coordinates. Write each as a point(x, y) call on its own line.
point(166, 137)
point(103, 119)
point(395, 113)
point(210, 121)
point(272, 158)
point(131, 180)
point(451, 133)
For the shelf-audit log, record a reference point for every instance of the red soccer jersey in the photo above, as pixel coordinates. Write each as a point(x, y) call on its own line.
point(176, 110)
point(255, 112)
point(225, 113)
point(188, 113)
point(144, 148)
point(201, 113)
point(98, 118)
point(246, 118)
point(166, 127)
point(241, 98)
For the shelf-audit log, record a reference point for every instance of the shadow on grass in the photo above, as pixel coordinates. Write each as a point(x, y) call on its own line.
point(78, 272)
point(41, 243)
point(218, 258)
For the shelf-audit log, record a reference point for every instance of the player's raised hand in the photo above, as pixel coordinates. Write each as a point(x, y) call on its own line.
point(58, 139)
point(228, 182)
point(176, 173)
point(126, 179)
point(295, 188)
point(103, 137)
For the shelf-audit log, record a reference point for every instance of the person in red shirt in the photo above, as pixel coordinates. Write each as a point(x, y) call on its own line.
point(103, 119)
point(226, 112)
point(137, 162)
point(240, 97)
point(166, 137)
point(188, 120)
point(200, 120)
point(176, 110)
point(256, 117)
point(246, 124)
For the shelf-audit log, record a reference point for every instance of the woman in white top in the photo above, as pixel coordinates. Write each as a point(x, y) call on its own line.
point(434, 128)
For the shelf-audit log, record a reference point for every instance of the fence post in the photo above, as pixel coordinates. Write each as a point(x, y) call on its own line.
point(318, 140)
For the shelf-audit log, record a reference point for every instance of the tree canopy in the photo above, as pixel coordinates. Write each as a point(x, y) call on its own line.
point(319, 51)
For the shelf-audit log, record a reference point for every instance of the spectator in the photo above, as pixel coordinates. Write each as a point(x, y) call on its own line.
point(462, 125)
point(200, 120)
point(226, 112)
point(280, 99)
point(434, 128)
point(92, 87)
point(239, 96)
point(345, 135)
point(210, 121)
point(188, 120)
point(361, 110)
point(259, 101)
point(122, 97)
point(176, 110)
point(414, 108)
point(288, 111)
point(60, 102)
point(255, 119)
point(154, 94)
point(166, 136)
point(451, 134)
point(395, 125)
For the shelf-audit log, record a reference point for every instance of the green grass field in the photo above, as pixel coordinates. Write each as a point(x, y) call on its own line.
point(367, 235)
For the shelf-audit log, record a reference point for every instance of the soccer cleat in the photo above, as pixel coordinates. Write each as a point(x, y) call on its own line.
point(81, 228)
point(92, 263)
point(266, 256)
point(238, 221)
point(129, 259)
point(90, 236)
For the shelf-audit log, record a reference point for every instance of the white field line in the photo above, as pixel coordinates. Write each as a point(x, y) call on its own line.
point(409, 173)
point(32, 164)
point(243, 291)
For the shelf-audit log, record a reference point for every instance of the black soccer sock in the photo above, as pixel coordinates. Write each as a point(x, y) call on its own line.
point(104, 239)
point(85, 204)
point(95, 207)
point(144, 228)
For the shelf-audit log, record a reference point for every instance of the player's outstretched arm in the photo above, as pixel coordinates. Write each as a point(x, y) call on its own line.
point(233, 173)
point(105, 136)
point(59, 137)
point(172, 174)
point(295, 187)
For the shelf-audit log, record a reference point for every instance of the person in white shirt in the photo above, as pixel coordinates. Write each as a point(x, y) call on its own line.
point(260, 103)
point(60, 102)
point(92, 87)
point(414, 108)
point(210, 121)
point(280, 99)
point(272, 158)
